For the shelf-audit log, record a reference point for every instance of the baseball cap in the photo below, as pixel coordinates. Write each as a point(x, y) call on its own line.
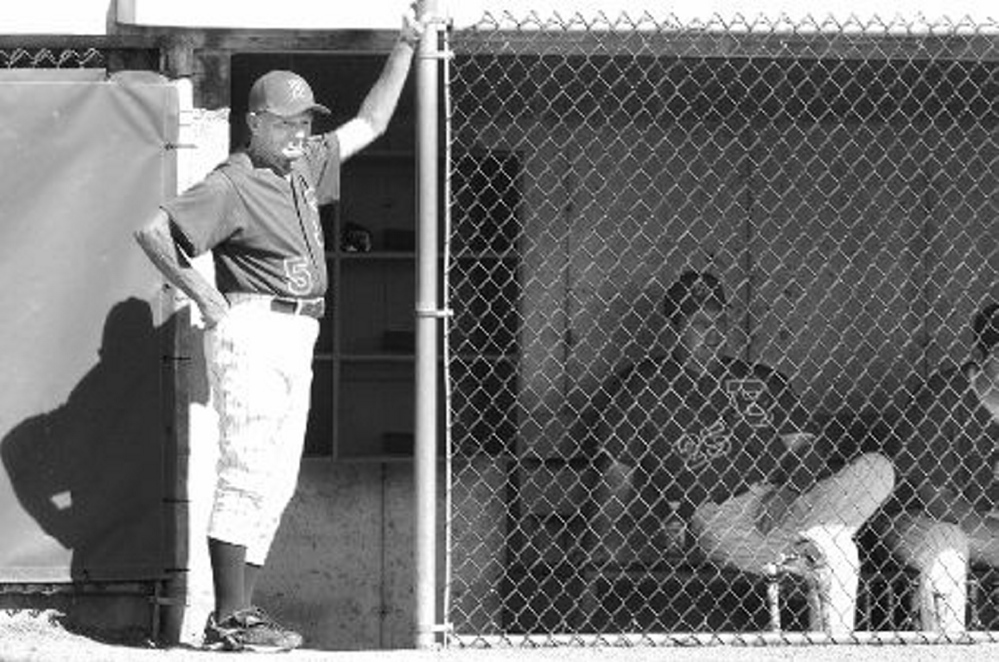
point(283, 93)
point(692, 291)
point(986, 328)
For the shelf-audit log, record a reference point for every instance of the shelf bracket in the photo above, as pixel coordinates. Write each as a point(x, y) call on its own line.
point(439, 313)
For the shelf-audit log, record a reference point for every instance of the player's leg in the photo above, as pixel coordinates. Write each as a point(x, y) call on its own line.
point(251, 573)
point(826, 556)
point(228, 580)
point(939, 552)
point(280, 460)
point(836, 576)
point(250, 394)
point(849, 497)
point(829, 515)
point(227, 540)
point(280, 470)
point(727, 532)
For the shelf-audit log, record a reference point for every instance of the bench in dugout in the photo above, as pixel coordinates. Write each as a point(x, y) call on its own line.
point(554, 583)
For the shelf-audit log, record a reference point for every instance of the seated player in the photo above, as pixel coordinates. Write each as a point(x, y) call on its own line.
point(727, 442)
point(949, 481)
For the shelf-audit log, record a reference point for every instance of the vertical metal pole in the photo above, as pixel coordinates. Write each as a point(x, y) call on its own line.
point(427, 326)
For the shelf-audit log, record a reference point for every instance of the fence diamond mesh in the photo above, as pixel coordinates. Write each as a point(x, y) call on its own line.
point(47, 58)
point(720, 358)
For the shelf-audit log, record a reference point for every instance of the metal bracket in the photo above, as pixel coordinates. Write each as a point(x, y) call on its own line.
point(439, 313)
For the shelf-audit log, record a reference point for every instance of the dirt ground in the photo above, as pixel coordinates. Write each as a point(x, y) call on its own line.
point(45, 637)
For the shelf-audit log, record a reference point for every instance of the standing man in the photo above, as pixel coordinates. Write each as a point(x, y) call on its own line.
point(949, 488)
point(258, 213)
point(726, 443)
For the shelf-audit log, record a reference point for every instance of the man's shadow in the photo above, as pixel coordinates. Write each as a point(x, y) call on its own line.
point(94, 473)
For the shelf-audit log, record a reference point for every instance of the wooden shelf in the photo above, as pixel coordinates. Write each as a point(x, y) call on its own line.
point(371, 256)
point(374, 458)
point(378, 358)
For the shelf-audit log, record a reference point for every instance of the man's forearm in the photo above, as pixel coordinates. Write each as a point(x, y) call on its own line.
point(158, 244)
point(380, 103)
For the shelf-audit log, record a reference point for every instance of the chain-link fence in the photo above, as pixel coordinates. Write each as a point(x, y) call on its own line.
point(33, 55)
point(797, 435)
point(47, 58)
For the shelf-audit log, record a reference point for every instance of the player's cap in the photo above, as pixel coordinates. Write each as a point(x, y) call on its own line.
point(691, 292)
point(986, 327)
point(283, 93)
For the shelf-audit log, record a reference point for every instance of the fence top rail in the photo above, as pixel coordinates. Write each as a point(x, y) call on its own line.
point(912, 24)
point(945, 41)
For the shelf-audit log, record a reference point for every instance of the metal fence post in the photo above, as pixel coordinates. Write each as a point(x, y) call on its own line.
point(427, 324)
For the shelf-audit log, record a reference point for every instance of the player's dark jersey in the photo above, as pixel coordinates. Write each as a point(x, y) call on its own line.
point(263, 229)
point(954, 442)
point(694, 438)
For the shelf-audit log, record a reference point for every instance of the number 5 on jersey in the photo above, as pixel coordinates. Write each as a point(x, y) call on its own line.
point(298, 275)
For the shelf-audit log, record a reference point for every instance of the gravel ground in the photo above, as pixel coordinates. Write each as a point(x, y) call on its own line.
point(42, 637)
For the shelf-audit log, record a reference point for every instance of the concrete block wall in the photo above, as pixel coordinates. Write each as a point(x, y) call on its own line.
point(341, 568)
